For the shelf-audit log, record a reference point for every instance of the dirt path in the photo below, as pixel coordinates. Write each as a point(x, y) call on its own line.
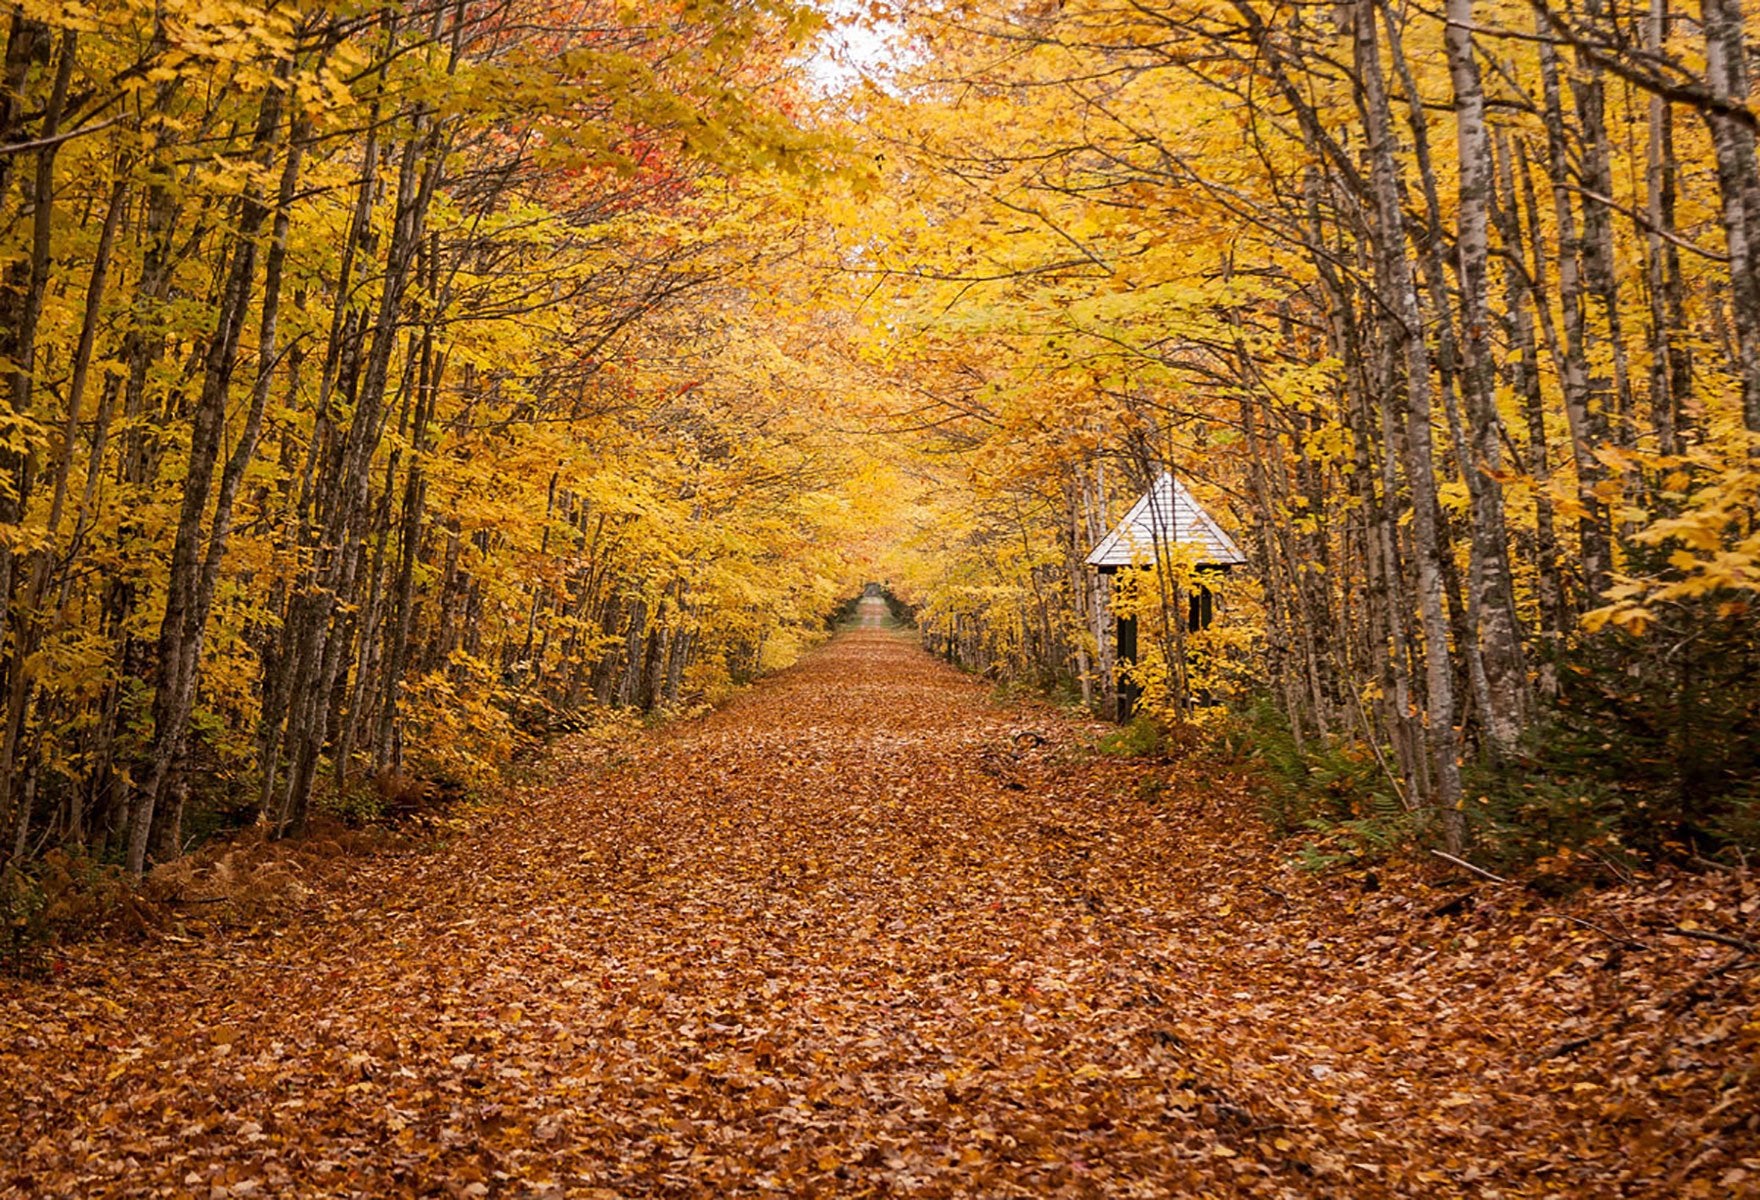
point(854, 935)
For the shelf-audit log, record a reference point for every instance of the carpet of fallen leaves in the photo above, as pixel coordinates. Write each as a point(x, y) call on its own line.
point(863, 933)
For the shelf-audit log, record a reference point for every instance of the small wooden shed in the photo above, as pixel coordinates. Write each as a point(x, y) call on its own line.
point(1165, 516)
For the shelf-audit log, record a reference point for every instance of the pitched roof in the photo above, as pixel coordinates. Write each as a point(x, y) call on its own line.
point(1166, 515)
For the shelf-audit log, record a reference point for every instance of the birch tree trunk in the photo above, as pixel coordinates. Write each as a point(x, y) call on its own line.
point(1499, 639)
point(1584, 410)
point(1738, 178)
point(1671, 358)
point(1404, 327)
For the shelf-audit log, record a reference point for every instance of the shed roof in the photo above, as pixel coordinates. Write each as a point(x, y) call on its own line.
point(1166, 515)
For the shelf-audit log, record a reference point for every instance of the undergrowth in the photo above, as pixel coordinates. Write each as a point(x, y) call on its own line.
point(63, 897)
point(1062, 690)
point(1142, 738)
point(1148, 737)
point(1332, 792)
point(1649, 752)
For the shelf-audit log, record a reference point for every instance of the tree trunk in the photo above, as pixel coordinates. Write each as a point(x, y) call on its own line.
point(21, 308)
point(1585, 408)
point(1405, 327)
point(1671, 358)
point(1499, 641)
point(1738, 178)
point(191, 574)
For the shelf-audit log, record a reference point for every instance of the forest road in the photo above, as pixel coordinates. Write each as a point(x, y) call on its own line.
point(859, 932)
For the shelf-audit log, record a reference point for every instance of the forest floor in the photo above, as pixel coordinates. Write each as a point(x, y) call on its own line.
point(862, 932)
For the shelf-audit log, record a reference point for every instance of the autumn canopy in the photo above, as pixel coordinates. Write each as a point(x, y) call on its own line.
point(386, 386)
point(392, 393)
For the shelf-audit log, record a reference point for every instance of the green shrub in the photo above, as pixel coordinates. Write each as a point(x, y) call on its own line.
point(361, 805)
point(22, 907)
point(1518, 814)
point(57, 898)
point(1059, 689)
point(1314, 785)
point(1652, 746)
point(1739, 826)
point(1142, 738)
point(1359, 841)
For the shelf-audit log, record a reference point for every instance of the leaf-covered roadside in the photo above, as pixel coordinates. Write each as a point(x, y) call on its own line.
point(855, 934)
